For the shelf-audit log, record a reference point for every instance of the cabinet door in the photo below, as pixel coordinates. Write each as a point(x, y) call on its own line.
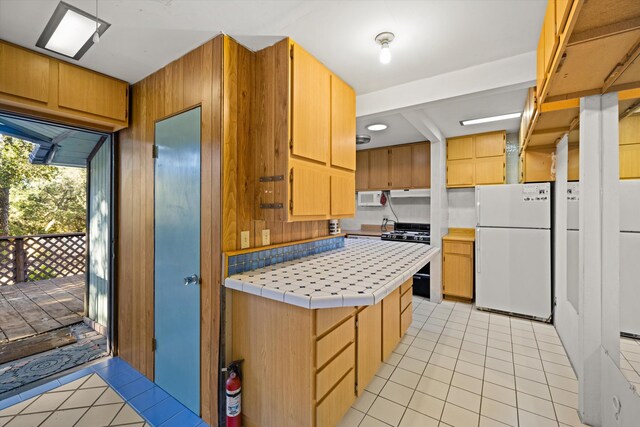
point(24, 74)
point(369, 348)
point(630, 161)
point(563, 8)
point(343, 125)
point(89, 92)
point(421, 166)
point(550, 35)
point(309, 191)
point(491, 144)
point(343, 195)
point(460, 148)
point(390, 323)
point(573, 172)
point(379, 169)
point(401, 167)
point(540, 65)
point(490, 170)
point(460, 173)
point(629, 129)
point(311, 107)
point(362, 170)
point(457, 279)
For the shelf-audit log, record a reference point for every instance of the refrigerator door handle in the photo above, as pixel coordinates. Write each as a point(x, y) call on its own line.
point(478, 250)
point(477, 205)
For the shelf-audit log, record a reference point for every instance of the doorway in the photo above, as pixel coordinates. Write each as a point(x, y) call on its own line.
point(177, 257)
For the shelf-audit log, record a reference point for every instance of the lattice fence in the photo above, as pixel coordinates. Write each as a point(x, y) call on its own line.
point(27, 258)
point(7, 260)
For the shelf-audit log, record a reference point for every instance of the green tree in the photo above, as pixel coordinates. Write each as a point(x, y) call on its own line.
point(50, 206)
point(16, 173)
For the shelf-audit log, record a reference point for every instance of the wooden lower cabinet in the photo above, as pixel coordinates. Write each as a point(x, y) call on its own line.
point(457, 264)
point(329, 354)
point(390, 323)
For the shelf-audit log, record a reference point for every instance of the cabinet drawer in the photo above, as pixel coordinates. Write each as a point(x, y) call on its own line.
point(405, 300)
point(331, 374)
point(330, 411)
point(329, 345)
point(406, 318)
point(457, 248)
point(406, 285)
point(327, 318)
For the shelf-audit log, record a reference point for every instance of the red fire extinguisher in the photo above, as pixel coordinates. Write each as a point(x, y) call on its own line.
point(234, 395)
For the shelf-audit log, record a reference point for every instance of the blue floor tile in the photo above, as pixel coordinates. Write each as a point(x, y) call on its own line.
point(9, 401)
point(186, 418)
point(74, 376)
point(163, 411)
point(119, 379)
point(148, 399)
point(39, 390)
point(135, 388)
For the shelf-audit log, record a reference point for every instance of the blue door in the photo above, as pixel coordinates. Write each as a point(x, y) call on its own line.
point(177, 257)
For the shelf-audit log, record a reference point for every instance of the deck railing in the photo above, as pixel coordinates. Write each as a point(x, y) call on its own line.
point(39, 257)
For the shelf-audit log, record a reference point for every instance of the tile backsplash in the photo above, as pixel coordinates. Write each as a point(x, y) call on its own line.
point(258, 259)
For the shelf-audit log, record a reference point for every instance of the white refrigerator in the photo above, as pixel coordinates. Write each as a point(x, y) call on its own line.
point(513, 249)
point(630, 257)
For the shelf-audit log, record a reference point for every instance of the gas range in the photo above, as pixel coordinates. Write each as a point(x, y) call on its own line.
point(409, 232)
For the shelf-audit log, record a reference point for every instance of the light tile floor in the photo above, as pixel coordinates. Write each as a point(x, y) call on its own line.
point(461, 367)
point(630, 360)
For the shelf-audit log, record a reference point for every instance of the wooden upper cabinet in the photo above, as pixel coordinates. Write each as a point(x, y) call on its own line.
point(491, 144)
point(573, 167)
point(461, 173)
point(311, 107)
point(24, 73)
point(401, 167)
point(460, 148)
point(379, 177)
point(563, 7)
point(540, 65)
point(421, 166)
point(343, 125)
point(46, 87)
point(343, 195)
point(362, 170)
point(108, 96)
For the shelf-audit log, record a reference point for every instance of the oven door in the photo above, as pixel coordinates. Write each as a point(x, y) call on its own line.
point(422, 282)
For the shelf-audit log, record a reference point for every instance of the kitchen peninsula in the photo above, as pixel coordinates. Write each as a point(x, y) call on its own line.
point(314, 331)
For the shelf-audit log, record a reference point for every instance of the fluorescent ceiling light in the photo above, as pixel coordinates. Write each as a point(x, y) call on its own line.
point(377, 127)
point(490, 119)
point(70, 31)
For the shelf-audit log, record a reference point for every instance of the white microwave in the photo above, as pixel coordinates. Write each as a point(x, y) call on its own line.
point(369, 198)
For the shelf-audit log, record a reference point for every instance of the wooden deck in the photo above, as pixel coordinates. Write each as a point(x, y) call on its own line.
point(32, 308)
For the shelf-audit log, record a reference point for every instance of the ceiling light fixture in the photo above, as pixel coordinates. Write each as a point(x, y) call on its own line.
point(377, 127)
point(383, 39)
point(71, 31)
point(490, 119)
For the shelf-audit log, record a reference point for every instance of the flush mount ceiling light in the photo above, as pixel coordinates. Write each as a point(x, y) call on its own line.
point(71, 31)
point(490, 119)
point(383, 39)
point(377, 127)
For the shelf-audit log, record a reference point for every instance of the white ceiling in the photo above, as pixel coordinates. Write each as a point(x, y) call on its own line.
point(446, 115)
point(432, 36)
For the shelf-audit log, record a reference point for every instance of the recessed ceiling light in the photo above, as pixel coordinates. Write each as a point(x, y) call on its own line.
point(70, 31)
point(383, 39)
point(490, 119)
point(377, 127)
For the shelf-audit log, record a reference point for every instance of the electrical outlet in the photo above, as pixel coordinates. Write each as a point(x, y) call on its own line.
point(244, 240)
point(385, 217)
point(266, 237)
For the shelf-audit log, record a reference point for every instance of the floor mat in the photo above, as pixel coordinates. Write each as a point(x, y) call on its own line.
point(89, 346)
point(16, 350)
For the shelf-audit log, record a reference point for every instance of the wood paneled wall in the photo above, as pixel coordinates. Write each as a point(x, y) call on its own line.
point(251, 96)
point(195, 79)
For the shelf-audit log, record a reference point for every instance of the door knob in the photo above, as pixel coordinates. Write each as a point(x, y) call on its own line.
point(191, 280)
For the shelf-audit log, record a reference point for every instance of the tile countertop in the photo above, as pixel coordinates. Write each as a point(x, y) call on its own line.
point(361, 273)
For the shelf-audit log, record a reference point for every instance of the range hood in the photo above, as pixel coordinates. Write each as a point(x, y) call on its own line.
point(421, 193)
